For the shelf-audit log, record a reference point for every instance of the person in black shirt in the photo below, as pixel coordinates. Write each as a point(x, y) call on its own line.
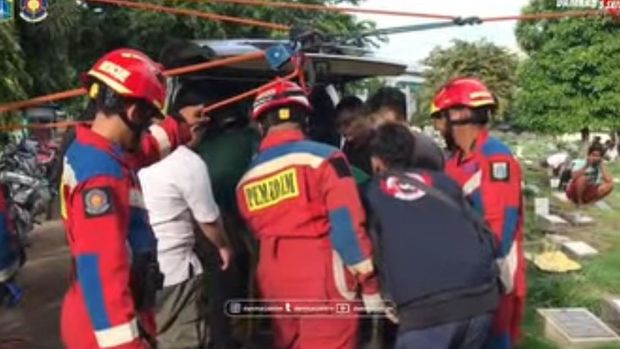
point(356, 128)
point(389, 105)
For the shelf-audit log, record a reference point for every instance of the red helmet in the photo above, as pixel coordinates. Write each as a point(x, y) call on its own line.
point(462, 92)
point(132, 74)
point(279, 93)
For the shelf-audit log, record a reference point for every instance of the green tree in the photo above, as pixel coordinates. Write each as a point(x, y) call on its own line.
point(570, 79)
point(14, 82)
point(494, 65)
point(74, 35)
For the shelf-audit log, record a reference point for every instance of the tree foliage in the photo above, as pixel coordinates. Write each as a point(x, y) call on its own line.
point(492, 64)
point(570, 79)
point(55, 51)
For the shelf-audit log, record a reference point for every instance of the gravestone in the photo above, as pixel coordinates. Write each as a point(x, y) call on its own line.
point(561, 196)
point(576, 328)
point(577, 218)
point(579, 250)
point(603, 205)
point(541, 206)
point(557, 239)
point(548, 222)
point(611, 312)
point(554, 183)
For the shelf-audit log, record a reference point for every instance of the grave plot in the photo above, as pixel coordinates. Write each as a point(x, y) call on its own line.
point(576, 328)
point(576, 218)
point(561, 196)
point(603, 205)
point(611, 312)
point(548, 222)
point(579, 250)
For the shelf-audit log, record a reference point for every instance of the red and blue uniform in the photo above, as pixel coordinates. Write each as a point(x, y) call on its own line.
point(9, 256)
point(491, 179)
point(107, 228)
point(301, 201)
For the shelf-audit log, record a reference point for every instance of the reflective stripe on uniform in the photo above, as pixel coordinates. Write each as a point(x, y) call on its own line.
point(271, 166)
point(473, 183)
point(508, 269)
point(340, 278)
point(163, 141)
point(118, 335)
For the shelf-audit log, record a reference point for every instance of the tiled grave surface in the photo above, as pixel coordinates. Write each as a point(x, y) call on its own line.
point(575, 328)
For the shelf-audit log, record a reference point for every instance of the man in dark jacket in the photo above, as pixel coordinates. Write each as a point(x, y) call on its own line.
point(437, 267)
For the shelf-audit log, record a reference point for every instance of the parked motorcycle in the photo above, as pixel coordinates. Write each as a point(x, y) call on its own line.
point(29, 191)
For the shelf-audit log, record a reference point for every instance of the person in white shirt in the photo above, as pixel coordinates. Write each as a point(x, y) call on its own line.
point(178, 196)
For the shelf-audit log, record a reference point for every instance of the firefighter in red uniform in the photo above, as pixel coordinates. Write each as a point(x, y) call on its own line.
point(491, 179)
point(300, 200)
point(114, 272)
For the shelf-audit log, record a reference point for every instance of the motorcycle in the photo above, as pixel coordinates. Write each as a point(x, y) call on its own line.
point(28, 189)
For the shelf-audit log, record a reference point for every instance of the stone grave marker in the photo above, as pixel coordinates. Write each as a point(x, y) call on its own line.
point(561, 196)
point(579, 250)
point(601, 204)
point(611, 312)
point(576, 328)
point(548, 222)
point(557, 239)
point(541, 206)
point(577, 218)
point(554, 183)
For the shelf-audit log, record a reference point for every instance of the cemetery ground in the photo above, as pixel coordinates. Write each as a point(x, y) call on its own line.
point(600, 276)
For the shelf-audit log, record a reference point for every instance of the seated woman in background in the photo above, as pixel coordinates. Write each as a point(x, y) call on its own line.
point(591, 179)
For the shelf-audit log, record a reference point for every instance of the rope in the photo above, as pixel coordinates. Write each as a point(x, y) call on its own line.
point(545, 15)
point(42, 99)
point(51, 125)
point(172, 72)
point(309, 7)
point(247, 94)
point(194, 13)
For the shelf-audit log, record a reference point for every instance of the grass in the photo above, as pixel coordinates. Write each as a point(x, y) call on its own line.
point(599, 277)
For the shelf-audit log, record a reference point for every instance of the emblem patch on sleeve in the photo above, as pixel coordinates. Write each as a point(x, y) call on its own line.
point(97, 202)
point(500, 171)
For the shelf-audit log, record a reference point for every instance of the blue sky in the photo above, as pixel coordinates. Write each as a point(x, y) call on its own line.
point(412, 47)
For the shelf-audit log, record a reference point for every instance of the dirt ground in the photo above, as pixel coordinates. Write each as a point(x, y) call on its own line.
point(34, 324)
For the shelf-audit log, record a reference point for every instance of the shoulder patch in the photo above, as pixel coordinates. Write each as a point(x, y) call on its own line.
point(97, 202)
point(341, 167)
point(500, 171)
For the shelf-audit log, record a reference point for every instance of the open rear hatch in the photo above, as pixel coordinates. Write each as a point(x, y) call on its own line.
point(332, 64)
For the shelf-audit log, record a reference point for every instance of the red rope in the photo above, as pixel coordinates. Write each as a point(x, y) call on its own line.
point(172, 72)
point(194, 13)
point(310, 7)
